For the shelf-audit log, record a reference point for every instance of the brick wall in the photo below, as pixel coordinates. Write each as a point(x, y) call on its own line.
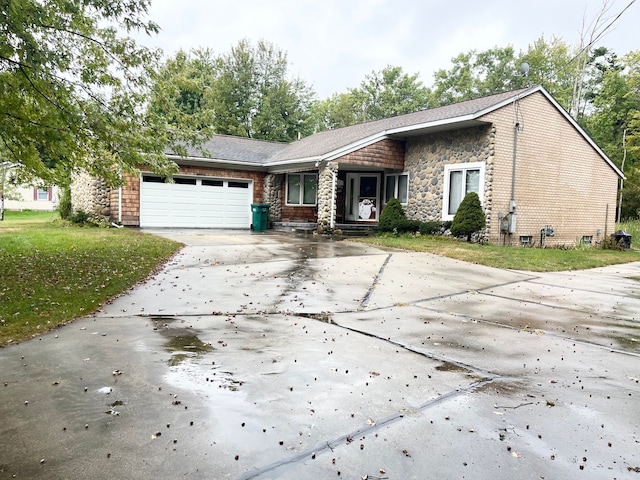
point(130, 201)
point(131, 190)
point(560, 179)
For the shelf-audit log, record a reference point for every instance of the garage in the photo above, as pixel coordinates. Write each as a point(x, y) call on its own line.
point(195, 202)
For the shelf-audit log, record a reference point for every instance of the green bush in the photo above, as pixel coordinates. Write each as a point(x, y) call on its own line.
point(80, 217)
point(64, 207)
point(469, 218)
point(392, 215)
point(434, 228)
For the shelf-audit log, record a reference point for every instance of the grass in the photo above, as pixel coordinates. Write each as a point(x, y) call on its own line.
point(516, 258)
point(52, 272)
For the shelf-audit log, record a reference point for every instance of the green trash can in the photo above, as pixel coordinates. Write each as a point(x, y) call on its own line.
point(260, 216)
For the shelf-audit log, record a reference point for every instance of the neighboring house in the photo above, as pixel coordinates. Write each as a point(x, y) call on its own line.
point(32, 198)
point(534, 169)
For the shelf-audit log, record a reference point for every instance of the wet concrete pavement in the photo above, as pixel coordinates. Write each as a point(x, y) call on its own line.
point(280, 357)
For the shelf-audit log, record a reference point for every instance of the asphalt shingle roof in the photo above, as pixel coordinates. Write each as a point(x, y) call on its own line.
point(237, 149)
point(328, 141)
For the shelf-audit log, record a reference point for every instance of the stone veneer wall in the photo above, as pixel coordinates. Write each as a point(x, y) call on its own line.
point(426, 157)
point(273, 195)
point(90, 195)
point(325, 198)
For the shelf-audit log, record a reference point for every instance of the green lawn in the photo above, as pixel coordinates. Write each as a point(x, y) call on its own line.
point(517, 258)
point(52, 272)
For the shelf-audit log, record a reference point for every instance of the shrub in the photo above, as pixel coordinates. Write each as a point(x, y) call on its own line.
point(80, 217)
point(469, 218)
point(64, 207)
point(431, 228)
point(405, 225)
point(392, 215)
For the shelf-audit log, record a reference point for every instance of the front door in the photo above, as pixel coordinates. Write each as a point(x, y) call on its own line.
point(362, 199)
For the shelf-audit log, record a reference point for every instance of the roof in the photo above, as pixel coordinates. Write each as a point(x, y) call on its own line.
point(228, 148)
point(331, 144)
point(329, 141)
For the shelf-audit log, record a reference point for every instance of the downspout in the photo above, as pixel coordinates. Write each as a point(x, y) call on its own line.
point(334, 179)
point(120, 205)
point(512, 203)
point(120, 199)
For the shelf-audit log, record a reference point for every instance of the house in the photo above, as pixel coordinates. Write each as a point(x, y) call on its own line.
point(26, 197)
point(539, 176)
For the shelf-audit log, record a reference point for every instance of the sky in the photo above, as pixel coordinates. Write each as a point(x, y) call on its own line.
point(333, 44)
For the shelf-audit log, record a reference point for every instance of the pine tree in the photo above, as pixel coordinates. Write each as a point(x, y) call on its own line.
point(469, 218)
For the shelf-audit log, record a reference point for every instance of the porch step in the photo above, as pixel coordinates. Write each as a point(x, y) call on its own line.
point(344, 229)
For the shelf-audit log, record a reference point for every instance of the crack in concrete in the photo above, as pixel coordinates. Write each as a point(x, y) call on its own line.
point(329, 445)
point(367, 297)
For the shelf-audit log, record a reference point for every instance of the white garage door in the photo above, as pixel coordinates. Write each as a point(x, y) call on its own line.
point(195, 202)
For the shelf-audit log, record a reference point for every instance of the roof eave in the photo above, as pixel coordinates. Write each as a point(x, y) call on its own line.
point(548, 96)
point(205, 161)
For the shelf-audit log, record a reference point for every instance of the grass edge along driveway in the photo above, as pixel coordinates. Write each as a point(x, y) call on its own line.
point(52, 272)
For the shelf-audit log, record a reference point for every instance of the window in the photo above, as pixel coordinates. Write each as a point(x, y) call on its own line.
point(238, 185)
point(587, 240)
point(460, 179)
point(152, 179)
point(397, 186)
point(184, 181)
point(302, 188)
point(526, 240)
point(212, 183)
point(42, 194)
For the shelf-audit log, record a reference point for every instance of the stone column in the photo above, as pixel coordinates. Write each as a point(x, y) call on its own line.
point(273, 195)
point(326, 196)
point(90, 195)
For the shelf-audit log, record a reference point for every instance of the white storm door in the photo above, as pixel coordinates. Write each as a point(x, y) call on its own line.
point(362, 197)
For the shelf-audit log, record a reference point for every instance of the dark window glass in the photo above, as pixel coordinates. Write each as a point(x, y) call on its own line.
point(212, 183)
point(152, 179)
point(238, 185)
point(185, 181)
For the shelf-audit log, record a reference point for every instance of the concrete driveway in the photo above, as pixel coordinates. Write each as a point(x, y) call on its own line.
point(279, 357)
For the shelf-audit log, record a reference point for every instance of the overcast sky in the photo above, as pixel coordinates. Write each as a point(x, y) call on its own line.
point(333, 44)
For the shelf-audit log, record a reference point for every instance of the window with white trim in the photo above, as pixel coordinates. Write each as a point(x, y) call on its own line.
point(43, 194)
point(460, 179)
point(397, 186)
point(302, 189)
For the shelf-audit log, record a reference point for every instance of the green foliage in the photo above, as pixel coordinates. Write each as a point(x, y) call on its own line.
point(52, 273)
point(64, 207)
point(178, 96)
point(388, 93)
point(531, 259)
point(469, 218)
point(393, 219)
point(475, 74)
point(253, 96)
point(336, 111)
point(392, 214)
point(72, 87)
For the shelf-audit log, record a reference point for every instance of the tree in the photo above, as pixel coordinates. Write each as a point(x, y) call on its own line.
point(178, 91)
point(253, 97)
point(388, 93)
point(550, 66)
point(72, 89)
point(337, 111)
point(469, 218)
point(476, 74)
point(392, 215)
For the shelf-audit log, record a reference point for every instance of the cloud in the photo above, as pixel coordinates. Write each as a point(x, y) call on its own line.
point(333, 44)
